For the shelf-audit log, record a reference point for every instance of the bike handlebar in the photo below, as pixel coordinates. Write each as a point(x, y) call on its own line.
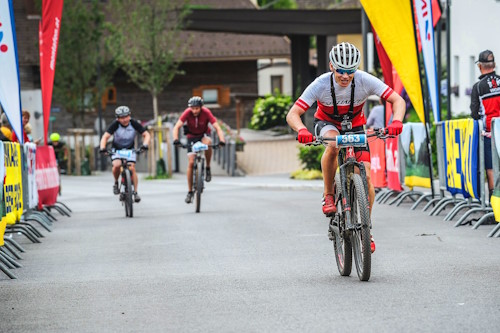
point(380, 133)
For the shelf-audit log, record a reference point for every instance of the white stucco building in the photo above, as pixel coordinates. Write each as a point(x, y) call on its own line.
point(474, 28)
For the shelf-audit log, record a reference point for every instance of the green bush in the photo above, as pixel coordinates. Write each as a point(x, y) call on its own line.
point(270, 111)
point(310, 157)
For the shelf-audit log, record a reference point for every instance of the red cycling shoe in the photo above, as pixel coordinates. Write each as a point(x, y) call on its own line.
point(372, 244)
point(329, 207)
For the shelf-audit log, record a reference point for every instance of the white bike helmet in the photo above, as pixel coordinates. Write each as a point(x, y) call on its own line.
point(122, 111)
point(345, 56)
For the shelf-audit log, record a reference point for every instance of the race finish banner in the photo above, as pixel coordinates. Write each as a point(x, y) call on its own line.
point(414, 146)
point(461, 145)
point(49, 28)
point(47, 176)
point(10, 90)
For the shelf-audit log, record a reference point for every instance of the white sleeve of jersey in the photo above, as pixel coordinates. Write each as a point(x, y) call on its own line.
point(311, 94)
point(374, 86)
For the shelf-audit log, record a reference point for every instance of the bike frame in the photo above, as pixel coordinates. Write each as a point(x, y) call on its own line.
point(347, 163)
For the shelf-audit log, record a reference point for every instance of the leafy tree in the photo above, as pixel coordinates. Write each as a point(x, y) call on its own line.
point(77, 84)
point(144, 39)
point(277, 4)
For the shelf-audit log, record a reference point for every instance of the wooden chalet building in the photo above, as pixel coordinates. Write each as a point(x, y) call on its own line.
point(218, 66)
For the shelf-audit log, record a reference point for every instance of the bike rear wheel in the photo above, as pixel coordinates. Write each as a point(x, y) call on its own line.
point(129, 211)
point(360, 218)
point(341, 242)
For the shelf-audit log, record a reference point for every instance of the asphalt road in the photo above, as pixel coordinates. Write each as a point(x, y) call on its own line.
point(256, 259)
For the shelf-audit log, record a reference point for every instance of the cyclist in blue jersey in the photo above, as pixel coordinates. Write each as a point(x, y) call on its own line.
point(124, 129)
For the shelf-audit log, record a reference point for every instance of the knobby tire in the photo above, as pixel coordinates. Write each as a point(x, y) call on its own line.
point(341, 241)
point(360, 238)
point(199, 185)
point(128, 194)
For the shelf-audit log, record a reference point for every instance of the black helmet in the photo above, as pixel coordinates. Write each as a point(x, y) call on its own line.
point(195, 101)
point(122, 111)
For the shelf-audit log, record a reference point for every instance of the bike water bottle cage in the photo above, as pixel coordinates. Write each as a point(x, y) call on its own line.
point(351, 140)
point(347, 118)
point(199, 146)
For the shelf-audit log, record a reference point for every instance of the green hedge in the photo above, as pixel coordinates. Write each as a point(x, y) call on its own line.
point(310, 156)
point(270, 111)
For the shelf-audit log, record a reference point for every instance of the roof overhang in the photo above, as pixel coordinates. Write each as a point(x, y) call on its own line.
point(276, 22)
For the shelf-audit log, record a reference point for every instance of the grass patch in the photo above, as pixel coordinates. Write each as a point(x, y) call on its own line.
point(306, 174)
point(166, 176)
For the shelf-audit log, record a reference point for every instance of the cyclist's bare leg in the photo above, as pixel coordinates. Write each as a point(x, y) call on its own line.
point(329, 163)
point(371, 189)
point(189, 172)
point(116, 169)
point(208, 153)
point(131, 167)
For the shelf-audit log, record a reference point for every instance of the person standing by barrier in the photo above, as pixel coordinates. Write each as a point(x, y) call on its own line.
point(376, 116)
point(26, 119)
point(485, 105)
point(5, 129)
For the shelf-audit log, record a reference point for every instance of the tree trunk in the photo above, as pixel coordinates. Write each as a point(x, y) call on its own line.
point(155, 108)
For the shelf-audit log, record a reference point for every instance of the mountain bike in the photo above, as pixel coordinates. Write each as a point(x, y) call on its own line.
point(349, 228)
point(126, 184)
point(199, 149)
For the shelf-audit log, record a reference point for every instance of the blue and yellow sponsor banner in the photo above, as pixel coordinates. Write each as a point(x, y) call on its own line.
point(461, 151)
point(13, 190)
point(3, 223)
point(416, 155)
point(495, 197)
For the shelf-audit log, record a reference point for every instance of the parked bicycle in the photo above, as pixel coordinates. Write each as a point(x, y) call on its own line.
point(349, 228)
point(126, 184)
point(199, 170)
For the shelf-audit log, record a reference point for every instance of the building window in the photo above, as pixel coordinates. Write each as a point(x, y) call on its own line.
point(276, 83)
point(213, 95)
point(210, 96)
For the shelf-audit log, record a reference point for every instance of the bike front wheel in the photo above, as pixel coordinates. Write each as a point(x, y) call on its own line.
point(199, 185)
point(129, 210)
point(341, 242)
point(360, 218)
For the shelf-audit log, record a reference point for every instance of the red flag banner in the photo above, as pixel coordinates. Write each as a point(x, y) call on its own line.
point(47, 176)
point(377, 161)
point(392, 156)
point(49, 28)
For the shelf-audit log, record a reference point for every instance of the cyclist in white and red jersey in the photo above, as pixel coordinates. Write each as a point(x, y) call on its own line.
point(340, 96)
